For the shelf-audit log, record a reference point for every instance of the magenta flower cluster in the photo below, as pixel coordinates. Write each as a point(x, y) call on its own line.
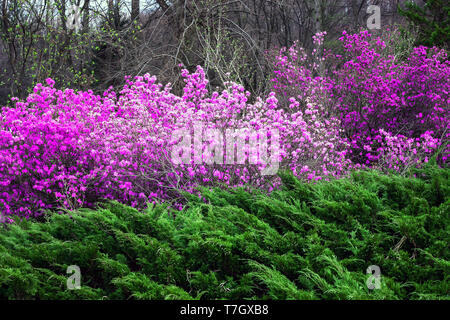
point(393, 112)
point(70, 149)
point(61, 148)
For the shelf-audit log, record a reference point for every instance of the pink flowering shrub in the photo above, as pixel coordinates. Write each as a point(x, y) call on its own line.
point(374, 96)
point(317, 151)
point(299, 75)
point(375, 91)
point(70, 149)
point(398, 152)
point(144, 144)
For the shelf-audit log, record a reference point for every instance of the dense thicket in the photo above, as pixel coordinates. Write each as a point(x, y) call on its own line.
point(305, 241)
point(115, 38)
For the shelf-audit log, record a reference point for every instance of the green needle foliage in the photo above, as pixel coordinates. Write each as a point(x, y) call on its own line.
point(433, 21)
point(305, 241)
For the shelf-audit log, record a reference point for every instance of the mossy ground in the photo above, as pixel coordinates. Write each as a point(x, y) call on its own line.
point(305, 241)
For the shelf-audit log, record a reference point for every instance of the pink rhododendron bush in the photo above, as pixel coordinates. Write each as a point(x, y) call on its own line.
point(394, 113)
point(70, 149)
point(60, 148)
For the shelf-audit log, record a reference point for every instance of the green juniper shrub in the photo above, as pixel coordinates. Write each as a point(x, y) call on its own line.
point(304, 241)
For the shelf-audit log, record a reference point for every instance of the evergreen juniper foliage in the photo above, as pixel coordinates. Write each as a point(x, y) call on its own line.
point(305, 241)
point(433, 21)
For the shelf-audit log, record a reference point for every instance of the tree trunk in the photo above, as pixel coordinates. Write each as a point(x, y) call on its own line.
point(135, 10)
point(85, 22)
